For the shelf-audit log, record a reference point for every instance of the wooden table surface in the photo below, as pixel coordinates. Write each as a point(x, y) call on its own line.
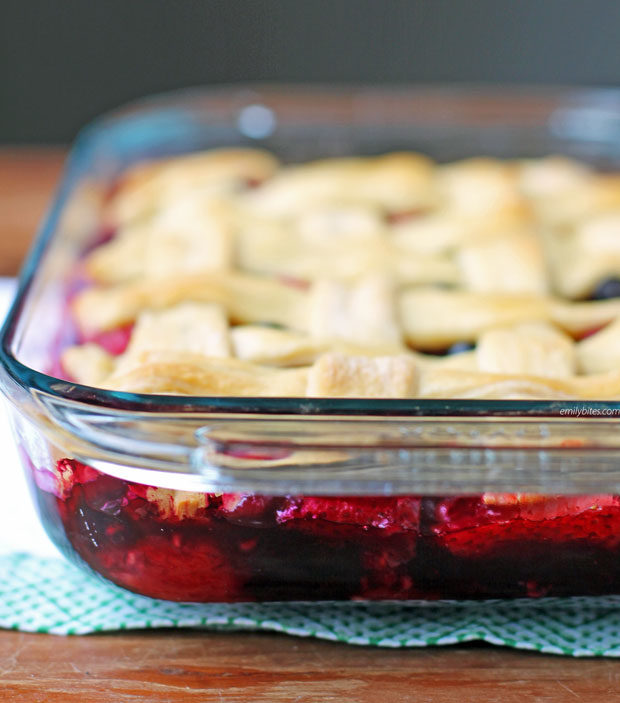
point(188, 666)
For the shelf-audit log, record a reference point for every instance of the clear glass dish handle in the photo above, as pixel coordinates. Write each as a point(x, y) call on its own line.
point(367, 456)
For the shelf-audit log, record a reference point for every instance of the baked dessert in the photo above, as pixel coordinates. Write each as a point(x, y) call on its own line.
point(385, 277)
point(192, 546)
point(226, 273)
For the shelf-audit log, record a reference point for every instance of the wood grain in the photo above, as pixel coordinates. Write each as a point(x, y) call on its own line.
point(28, 177)
point(173, 666)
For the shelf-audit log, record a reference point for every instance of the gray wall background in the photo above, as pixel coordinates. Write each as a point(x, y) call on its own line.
point(62, 62)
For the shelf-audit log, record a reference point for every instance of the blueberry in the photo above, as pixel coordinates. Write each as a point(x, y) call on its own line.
point(456, 348)
point(609, 288)
point(459, 347)
point(270, 325)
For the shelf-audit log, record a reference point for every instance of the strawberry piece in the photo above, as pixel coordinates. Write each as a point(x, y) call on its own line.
point(75, 472)
point(67, 474)
point(588, 333)
point(294, 282)
point(472, 526)
point(389, 514)
point(114, 341)
point(257, 453)
point(173, 568)
point(394, 218)
point(248, 509)
point(119, 533)
point(386, 568)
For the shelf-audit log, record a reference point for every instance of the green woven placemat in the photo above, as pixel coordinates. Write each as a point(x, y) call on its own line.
point(51, 595)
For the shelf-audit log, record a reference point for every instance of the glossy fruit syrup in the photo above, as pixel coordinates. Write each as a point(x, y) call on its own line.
point(237, 547)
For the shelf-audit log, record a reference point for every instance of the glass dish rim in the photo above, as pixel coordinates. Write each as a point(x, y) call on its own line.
point(31, 380)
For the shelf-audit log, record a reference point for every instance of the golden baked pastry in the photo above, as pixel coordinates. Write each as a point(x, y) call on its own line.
point(354, 277)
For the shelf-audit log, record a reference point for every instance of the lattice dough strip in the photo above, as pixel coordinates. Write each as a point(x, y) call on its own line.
point(394, 182)
point(184, 373)
point(246, 298)
point(345, 376)
point(432, 318)
point(199, 328)
point(585, 255)
point(147, 188)
point(533, 349)
point(510, 264)
point(189, 237)
point(362, 313)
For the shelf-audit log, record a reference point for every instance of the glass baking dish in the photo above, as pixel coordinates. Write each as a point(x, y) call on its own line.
point(240, 499)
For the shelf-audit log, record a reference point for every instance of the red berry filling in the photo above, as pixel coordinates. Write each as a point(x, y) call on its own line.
point(114, 341)
point(399, 514)
point(239, 546)
point(474, 525)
